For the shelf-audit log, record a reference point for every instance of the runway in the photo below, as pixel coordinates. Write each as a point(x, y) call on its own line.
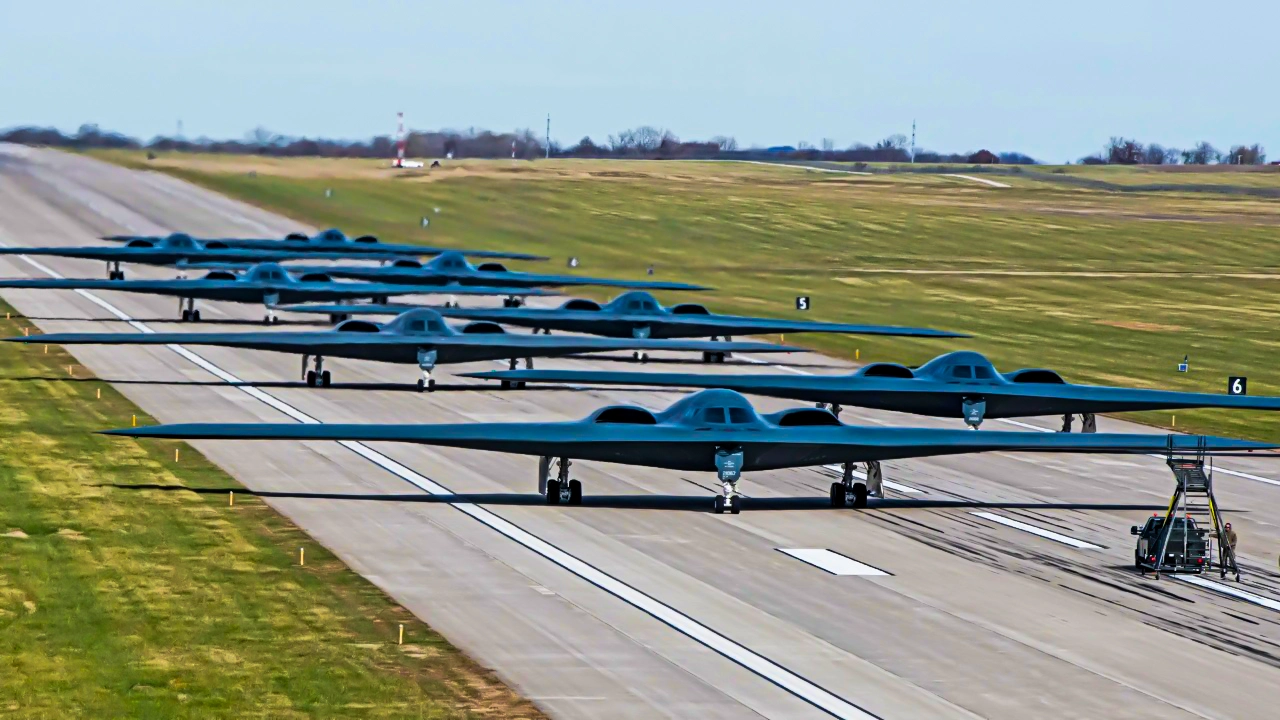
point(641, 604)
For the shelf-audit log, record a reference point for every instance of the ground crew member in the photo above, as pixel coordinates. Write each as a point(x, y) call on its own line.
point(1229, 539)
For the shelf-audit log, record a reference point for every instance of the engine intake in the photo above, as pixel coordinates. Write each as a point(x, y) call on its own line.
point(1036, 376)
point(888, 370)
point(220, 275)
point(807, 417)
point(493, 267)
point(363, 326)
point(366, 239)
point(482, 327)
point(581, 304)
point(315, 277)
point(689, 309)
point(624, 415)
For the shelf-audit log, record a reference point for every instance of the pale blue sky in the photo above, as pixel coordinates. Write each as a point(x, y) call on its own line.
point(1053, 79)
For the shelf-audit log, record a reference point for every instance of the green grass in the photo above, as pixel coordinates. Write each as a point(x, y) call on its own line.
point(146, 603)
point(1059, 276)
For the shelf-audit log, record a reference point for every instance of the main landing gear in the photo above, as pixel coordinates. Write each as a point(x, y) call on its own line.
point(643, 357)
point(1088, 422)
point(270, 318)
point(855, 494)
point(189, 313)
point(728, 471)
point(511, 365)
point(833, 407)
point(319, 377)
point(114, 272)
point(716, 357)
point(512, 302)
point(558, 490)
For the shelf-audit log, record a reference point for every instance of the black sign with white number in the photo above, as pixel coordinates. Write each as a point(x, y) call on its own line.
point(1237, 385)
point(802, 302)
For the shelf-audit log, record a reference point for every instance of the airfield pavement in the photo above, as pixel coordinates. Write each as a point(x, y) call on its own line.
point(641, 603)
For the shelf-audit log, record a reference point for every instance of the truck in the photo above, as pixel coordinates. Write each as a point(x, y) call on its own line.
point(1186, 552)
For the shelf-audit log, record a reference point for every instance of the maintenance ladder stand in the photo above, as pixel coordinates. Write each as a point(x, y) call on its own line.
point(1193, 498)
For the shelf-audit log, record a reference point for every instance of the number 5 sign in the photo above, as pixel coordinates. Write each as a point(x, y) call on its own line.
point(1237, 385)
point(802, 302)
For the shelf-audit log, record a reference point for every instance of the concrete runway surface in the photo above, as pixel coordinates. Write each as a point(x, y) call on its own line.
point(641, 603)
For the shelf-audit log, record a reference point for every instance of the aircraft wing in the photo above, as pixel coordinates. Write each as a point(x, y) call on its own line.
point(1055, 399)
point(773, 385)
point(301, 343)
point(708, 325)
point(678, 447)
point(158, 287)
point(498, 346)
point(540, 280)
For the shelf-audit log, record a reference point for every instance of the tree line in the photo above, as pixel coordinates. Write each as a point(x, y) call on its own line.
point(640, 142)
point(1127, 151)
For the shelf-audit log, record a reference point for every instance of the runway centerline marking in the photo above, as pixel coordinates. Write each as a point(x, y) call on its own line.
point(1035, 530)
point(1228, 590)
point(745, 657)
point(833, 562)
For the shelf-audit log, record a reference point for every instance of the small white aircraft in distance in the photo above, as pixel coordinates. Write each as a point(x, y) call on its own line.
point(402, 163)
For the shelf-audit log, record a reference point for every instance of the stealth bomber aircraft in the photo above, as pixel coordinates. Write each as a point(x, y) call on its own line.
point(959, 384)
point(637, 314)
point(419, 336)
point(711, 431)
point(331, 241)
point(452, 267)
point(267, 284)
point(182, 251)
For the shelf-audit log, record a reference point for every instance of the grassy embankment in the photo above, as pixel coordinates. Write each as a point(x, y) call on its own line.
point(1104, 287)
point(148, 603)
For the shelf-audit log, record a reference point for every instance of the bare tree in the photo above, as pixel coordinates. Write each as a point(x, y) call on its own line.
point(1123, 151)
point(726, 144)
point(1246, 155)
point(1201, 154)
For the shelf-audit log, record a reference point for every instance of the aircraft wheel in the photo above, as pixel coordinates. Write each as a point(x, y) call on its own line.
point(311, 378)
point(719, 358)
point(186, 316)
point(553, 492)
point(195, 316)
point(422, 385)
point(859, 495)
point(706, 357)
point(326, 378)
point(506, 384)
point(837, 495)
point(575, 492)
point(718, 507)
point(266, 319)
point(736, 507)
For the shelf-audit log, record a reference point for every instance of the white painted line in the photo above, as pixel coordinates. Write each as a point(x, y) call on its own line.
point(1224, 471)
point(833, 562)
point(984, 181)
point(800, 167)
point(1035, 530)
point(887, 483)
point(1228, 590)
point(793, 683)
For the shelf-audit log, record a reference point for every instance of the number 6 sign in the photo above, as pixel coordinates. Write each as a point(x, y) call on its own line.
point(1237, 385)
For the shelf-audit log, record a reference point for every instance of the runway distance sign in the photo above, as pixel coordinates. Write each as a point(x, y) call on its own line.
point(1237, 385)
point(802, 302)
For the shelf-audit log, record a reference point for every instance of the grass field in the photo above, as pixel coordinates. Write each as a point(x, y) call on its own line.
point(1104, 287)
point(120, 603)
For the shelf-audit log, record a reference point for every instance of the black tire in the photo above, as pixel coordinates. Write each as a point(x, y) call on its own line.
point(266, 319)
point(195, 316)
point(311, 378)
point(186, 316)
point(837, 495)
point(575, 492)
point(859, 495)
point(718, 506)
point(553, 492)
point(506, 384)
point(736, 507)
point(422, 384)
point(326, 379)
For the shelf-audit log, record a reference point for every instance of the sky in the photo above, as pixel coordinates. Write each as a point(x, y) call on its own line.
point(1054, 80)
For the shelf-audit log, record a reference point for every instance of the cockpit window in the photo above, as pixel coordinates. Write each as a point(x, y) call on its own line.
point(713, 415)
point(982, 372)
point(434, 326)
point(417, 325)
point(962, 371)
point(739, 416)
point(634, 305)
